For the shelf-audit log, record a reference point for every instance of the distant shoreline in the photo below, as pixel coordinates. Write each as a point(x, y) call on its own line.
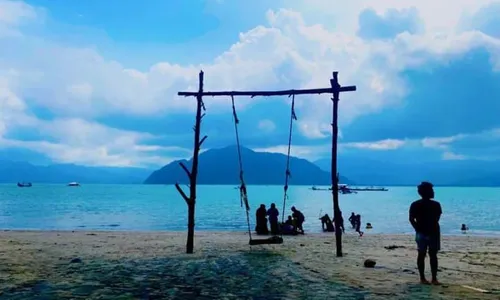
point(235, 232)
point(237, 184)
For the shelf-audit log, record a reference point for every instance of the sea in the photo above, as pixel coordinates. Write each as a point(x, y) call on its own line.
point(218, 208)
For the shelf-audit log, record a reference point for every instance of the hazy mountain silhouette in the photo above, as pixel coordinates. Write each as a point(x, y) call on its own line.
point(220, 166)
point(369, 171)
point(12, 172)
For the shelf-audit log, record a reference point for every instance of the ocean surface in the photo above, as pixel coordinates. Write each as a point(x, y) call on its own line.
point(160, 207)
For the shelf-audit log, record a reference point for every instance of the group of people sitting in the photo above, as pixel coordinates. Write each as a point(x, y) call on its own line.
point(292, 226)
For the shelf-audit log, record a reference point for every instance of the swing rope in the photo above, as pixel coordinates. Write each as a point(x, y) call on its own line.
point(243, 187)
point(288, 174)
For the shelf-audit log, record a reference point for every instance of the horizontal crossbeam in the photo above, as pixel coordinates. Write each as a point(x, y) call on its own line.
point(271, 93)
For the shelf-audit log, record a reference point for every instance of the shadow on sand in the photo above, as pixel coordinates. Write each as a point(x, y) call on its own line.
point(246, 275)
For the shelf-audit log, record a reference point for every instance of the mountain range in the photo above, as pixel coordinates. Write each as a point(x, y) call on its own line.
point(220, 166)
point(12, 172)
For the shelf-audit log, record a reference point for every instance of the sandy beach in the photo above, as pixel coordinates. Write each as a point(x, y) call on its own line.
point(152, 265)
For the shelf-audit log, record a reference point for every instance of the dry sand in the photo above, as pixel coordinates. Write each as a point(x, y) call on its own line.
point(152, 265)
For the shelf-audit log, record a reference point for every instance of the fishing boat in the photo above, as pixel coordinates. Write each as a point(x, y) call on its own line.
point(24, 184)
point(343, 189)
point(370, 189)
point(73, 184)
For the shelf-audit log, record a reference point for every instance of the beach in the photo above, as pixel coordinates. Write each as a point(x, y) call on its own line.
point(152, 265)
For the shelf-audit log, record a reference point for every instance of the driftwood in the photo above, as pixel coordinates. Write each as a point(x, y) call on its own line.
point(335, 89)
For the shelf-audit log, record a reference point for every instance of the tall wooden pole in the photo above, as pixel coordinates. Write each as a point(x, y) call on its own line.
point(194, 167)
point(334, 82)
point(193, 174)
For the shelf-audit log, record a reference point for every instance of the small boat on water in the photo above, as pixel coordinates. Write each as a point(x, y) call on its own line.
point(343, 189)
point(73, 184)
point(370, 189)
point(24, 184)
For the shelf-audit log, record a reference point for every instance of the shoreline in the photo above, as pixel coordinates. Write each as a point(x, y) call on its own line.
point(495, 235)
point(96, 263)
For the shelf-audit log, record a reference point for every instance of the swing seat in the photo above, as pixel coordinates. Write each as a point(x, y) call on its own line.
point(270, 241)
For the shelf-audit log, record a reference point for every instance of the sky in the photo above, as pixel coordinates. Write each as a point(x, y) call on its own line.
point(95, 82)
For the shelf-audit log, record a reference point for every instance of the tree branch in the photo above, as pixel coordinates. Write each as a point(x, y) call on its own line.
point(183, 166)
point(179, 189)
point(202, 140)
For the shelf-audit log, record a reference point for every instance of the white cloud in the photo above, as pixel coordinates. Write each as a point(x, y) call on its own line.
point(88, 143)
point(291, 51)
point(13, 14)
point(438, 16)
point(266, 125)
point(389, 144)
point(453, 156)
point(441, 142)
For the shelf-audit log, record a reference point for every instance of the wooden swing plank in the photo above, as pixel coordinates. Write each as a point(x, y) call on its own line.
point(269, 241)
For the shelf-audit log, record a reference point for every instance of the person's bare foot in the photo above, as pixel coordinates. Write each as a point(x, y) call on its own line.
point(424, 281)
point(435, 282)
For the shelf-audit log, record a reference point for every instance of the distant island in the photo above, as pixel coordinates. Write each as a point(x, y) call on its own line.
point(13, 171)
point(220, 166)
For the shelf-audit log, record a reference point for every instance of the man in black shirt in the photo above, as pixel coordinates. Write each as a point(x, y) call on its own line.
point(424, 217)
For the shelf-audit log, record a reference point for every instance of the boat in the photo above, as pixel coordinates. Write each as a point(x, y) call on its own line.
point(343, 189)
point(24, 184)
point(370, 189)
point(73, 184)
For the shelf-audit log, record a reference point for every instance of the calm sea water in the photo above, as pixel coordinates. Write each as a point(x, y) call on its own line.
point(159, 207)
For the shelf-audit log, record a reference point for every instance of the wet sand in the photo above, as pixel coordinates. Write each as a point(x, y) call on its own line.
point(152, 265)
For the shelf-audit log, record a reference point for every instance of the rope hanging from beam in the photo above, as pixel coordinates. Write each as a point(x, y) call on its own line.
point(288, 174)
point(243, 187)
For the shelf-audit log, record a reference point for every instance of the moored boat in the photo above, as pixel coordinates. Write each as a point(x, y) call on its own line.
point(24, 184)
point(73, 184)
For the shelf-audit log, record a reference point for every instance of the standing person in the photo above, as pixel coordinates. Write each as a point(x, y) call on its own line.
point(341, 223)
point(273, 214)
point(358, 224)
point(424, 216)
point(261, 220)
point(299, 219)
point(352, 219)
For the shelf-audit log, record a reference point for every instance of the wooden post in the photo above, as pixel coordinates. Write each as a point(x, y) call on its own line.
point(193, 174)
point(334, 82)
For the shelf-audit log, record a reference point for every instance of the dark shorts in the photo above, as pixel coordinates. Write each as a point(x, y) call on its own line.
point(428, 242)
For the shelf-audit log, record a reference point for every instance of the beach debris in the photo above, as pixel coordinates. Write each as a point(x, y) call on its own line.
point(392, 247)
point(370, 263)
point(476, 289)
point(76, 260)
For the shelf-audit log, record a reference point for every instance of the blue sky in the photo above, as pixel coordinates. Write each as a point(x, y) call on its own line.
point(95, 82)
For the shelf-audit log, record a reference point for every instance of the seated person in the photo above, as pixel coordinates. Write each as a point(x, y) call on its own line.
point(464, 228)
point(288, 227)
point(326, 223)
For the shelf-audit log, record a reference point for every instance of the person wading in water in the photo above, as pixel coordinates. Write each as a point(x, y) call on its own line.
point(424, 217)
